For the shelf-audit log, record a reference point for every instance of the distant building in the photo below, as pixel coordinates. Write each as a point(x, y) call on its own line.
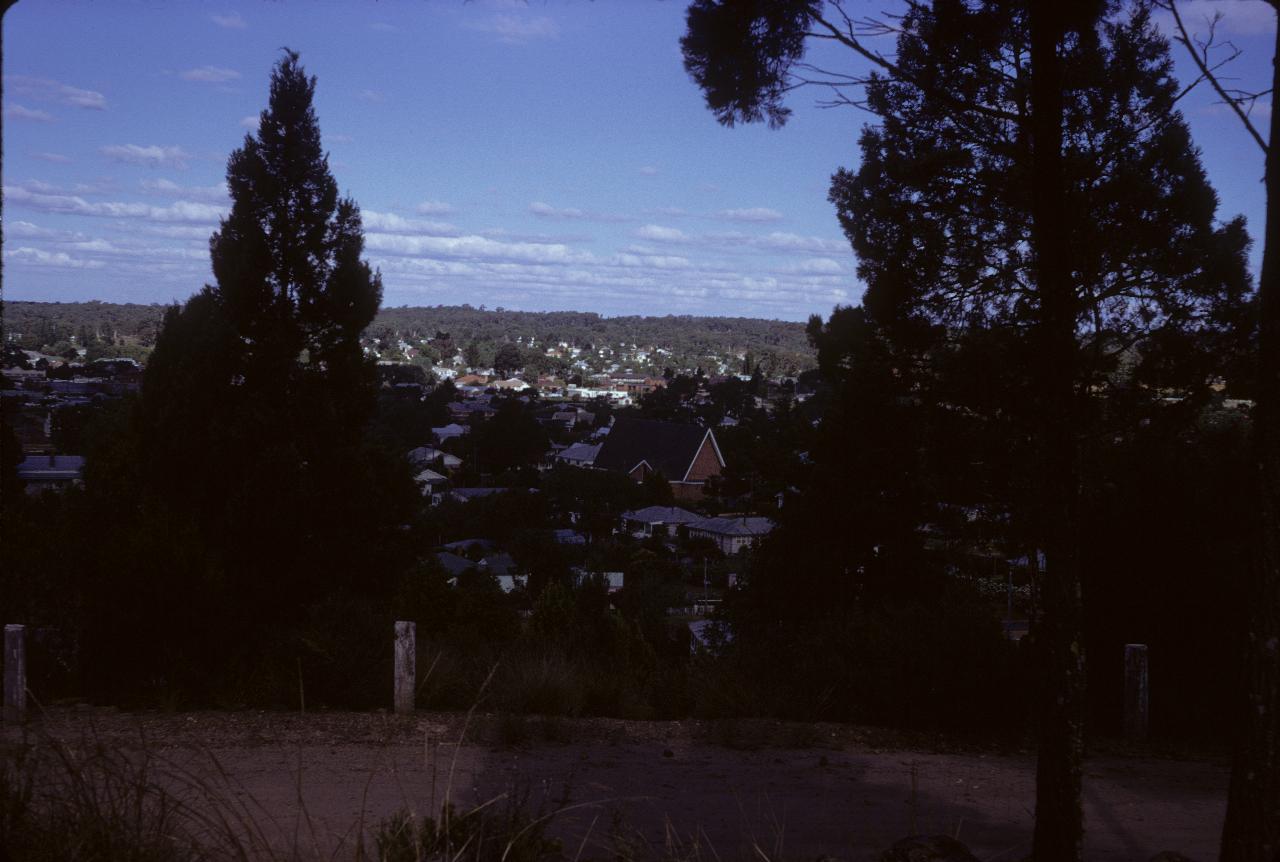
point(657, 520)
point(50, 472)
point(685, 455)
point(731, 534)
point(579, 454)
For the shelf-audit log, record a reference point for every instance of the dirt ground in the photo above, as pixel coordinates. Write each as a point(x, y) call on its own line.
point(736, 791)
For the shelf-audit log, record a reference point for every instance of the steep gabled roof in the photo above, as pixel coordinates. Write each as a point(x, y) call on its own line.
point(667, 447)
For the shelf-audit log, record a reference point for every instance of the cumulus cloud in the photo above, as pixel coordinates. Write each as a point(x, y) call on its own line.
point(55, 158)
point(545, 210)
point(649, 171)
point(819, 266)
point(434, 208)
point(473, 247)
point(49, 90)
point(250, 122)
point(179, 211)
point(516, 29)
point(152, 156)
point(20, 112)
point(752, 214)
point(167, 188)
point(373, 96)
point(659, 233)
point(379, 222)
point(210, 74)
point(40, 257)
point(232, 21)
point(383, 27)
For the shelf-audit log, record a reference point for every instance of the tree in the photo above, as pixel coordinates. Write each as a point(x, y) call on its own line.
point(507, 360)
point(1251, 832)
point(259, 388)
point(1027, 175)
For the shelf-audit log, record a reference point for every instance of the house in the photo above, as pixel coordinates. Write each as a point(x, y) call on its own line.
point(733, 534)
point(428, 456)
point(685, 455)
point(449, 431)
point(499, 565)
point(50, 472)
point(657, 520)
point(579, 454)
point(432, 484)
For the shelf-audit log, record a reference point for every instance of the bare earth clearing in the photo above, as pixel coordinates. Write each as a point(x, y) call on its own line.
point(793, 791)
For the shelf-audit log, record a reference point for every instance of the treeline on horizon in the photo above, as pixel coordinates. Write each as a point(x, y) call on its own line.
point(109, 329)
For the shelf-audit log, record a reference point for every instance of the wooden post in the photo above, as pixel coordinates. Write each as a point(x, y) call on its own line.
point(15, 673)
point(406, 655)
point(1135, 691)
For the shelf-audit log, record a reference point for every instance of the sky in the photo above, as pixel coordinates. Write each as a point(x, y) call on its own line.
point(540, 155)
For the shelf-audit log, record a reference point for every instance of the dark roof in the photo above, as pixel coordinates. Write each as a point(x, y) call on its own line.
point(661, 515)
point(667, 447)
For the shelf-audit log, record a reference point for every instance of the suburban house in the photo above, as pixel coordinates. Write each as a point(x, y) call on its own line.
point(657, 520)
point(449, 431)
point(428, 456)
point(50, 472)
point(579, 454)
point(731, 534)
point(685, 455)
point(500, 566)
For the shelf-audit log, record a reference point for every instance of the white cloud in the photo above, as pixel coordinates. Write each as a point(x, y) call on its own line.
point(179, 211)
point(778, 241)
point(379, 222)
point(649, 171)
point(752, 214)
point(167, 188)
point(516, 29)
point(152, 156)
point(231, 22)
point(55, 158)
point(335, 139)
point(434, 208)
point(211, 74)
point(654, 261)
point(819, 266)
point(545, 210)
point(373, 96)
point(40, 257)
point(474, 248)
point(19, 112)
point(250, 122)
point(49, 90)
point(383, 27)
point(662, 234)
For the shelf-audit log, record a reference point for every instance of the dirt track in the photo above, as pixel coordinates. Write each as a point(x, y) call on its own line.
point(793, 791)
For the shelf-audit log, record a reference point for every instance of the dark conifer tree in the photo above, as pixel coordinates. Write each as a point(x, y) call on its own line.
point(1030, 176)
point(259, 389)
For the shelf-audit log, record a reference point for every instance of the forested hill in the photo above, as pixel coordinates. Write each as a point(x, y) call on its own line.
point(688, 342)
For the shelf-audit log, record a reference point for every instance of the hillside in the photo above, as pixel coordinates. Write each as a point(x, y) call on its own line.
point(712, 343)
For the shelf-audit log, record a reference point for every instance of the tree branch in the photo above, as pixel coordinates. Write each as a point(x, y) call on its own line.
point(1208, 74)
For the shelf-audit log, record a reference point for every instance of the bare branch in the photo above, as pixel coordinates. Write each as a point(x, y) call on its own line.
point(1207, 73)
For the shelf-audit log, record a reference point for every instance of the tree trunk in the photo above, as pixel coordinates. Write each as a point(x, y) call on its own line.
point(1059, 828)
point(1252, 829)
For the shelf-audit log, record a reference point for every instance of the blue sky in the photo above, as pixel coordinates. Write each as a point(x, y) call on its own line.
point(543, 155)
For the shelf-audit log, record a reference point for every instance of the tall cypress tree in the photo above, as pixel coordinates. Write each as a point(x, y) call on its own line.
point(257, 395)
